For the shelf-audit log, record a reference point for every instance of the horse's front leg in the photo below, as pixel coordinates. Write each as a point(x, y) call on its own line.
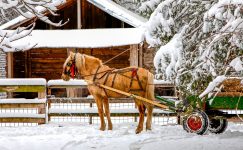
point(99, 103)
point(107, 112)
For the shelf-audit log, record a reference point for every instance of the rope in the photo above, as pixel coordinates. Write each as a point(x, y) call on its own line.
point(116, 56)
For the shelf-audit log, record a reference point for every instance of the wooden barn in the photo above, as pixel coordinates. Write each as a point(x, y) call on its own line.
point(46, 61)
point(102, 29)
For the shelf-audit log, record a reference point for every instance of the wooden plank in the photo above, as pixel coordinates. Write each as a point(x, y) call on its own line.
point(49, 51)
point(49, 55)
point(48, 60)
point(66, 86)
point(134, 55)
point(88, 100)
point(22, 88)
point(140, 58)
point(10, 65)
point(112, 114)
point(5, 106)
point(22, 120)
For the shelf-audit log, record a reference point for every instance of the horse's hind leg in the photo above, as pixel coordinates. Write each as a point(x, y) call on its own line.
point(149, 116)
point(107, 112)
point(99, 103)
point(141, 109)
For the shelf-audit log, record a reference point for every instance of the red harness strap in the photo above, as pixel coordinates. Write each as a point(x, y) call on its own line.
point(73, 70)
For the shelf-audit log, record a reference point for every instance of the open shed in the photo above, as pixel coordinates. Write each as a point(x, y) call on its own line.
point(47, 58)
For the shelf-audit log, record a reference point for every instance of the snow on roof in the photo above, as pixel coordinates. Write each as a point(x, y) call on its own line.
point(62, 82)
point(86, 38)
point(21, 19)
point(23, 81)
point(119, 12)
point(108, 6)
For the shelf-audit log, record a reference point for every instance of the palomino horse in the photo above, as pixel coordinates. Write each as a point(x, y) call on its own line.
point(134, 80)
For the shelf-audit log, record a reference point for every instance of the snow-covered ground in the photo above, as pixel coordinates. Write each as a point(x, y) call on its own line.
point(88, 137)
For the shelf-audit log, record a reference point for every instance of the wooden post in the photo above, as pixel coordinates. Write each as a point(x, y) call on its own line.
point(42, 108)
point(79, 19)
point(49, 103)
point(10, 70)
point(134, 55)
point(90, 116)
point(140, 55)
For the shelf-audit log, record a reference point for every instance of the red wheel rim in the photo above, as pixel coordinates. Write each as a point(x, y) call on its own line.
point(194, 122)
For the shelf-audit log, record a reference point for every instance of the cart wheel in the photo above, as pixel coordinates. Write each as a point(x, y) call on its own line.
point(197, 122)
point(218, 126)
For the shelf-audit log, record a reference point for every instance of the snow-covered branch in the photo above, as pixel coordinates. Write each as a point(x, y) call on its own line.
point(29, 9)
point(210, 40)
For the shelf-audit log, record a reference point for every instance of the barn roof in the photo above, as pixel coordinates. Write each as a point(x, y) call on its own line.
point(119, 12)
point(85, 38)
point(108, 6)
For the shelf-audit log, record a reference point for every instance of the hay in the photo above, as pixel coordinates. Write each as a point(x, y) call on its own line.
point(229, 94)
point(232, 85)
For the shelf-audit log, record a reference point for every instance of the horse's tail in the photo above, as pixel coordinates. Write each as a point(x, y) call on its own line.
point(149, 94)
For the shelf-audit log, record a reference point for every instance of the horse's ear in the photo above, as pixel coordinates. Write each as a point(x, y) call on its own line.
point(71, 54)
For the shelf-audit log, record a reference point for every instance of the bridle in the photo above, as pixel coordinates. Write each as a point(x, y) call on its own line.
point(72, 72)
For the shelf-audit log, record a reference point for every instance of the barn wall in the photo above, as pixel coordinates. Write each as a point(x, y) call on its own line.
point(3, 64)
point(148, 57)
point(91, 18)
point(47, 63)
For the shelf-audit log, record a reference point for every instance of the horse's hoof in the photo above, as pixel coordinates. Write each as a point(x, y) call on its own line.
point(148, 128)
point(102, 128)
point(110, 128)
point(138, 131)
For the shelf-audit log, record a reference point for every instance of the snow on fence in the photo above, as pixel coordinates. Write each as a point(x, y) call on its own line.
point(83, 109)
point(20, 110)
point(64, 108)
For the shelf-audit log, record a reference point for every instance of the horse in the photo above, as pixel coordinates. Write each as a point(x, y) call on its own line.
point(134, 80)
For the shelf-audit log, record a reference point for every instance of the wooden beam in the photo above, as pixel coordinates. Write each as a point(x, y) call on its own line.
point(134, 55)
point(79, 15)
point(140, 64)
point(10, 65)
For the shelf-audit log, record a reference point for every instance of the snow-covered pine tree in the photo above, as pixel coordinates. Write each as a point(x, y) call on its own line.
point(197, 40)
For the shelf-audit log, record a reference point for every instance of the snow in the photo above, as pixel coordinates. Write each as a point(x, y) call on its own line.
point(21, 19)
point(21, 115)
point(22, 101)
point(76, 82)
point(86, 38)
point(62, 82)
point(212, 85)
point(119, 12)
point(162, 82)
point(66, 136)
point(237, 64)
point(23, 81)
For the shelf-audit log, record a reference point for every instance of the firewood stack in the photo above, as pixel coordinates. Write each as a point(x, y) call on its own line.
point(232, 87)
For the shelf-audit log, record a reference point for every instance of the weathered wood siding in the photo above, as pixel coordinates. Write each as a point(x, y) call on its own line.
point(3, 66)
point(148, 58)
point(48, 63)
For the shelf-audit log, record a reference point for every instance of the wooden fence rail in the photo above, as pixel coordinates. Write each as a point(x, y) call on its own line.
point(44, 104)
point(8, 104)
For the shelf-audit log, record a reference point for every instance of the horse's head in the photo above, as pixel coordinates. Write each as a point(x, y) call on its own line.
point(69, 67)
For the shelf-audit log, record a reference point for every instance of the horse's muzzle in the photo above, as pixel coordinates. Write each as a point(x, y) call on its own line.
point(65, 77)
